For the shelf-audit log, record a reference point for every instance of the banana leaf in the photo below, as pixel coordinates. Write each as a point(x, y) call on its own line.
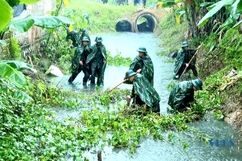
point(11, 71)
point(17, 93)
point(6, 14)
point(48, 22)
point(215, 8)
point(237, 7)
point(237, 24)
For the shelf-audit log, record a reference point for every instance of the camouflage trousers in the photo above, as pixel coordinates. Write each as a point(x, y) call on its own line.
point(85, 71)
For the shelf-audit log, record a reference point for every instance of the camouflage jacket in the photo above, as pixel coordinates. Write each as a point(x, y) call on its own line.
point(184, 57)
point(92, 55)
point(80, 54)
point(73, 36)
point(181, 94)
point(145, 90)
point(146, 66)
point(94, 51)
point(77, 36)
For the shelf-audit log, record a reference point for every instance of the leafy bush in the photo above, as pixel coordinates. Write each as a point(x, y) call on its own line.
point(15, 49)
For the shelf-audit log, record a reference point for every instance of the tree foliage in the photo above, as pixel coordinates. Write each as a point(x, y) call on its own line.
point(48, 22)
point(233, 8)
point(13, 79)
point(6, 14)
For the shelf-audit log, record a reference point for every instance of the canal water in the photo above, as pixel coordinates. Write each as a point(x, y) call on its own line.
point(225, 145)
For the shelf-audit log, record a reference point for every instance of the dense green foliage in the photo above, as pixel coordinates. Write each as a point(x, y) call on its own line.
point(28, 125)
point(15, 49)
point(36, 135)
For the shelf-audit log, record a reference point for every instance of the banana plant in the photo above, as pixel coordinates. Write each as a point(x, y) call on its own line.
point(48, 22)
point(13, 79)
point(6, 14)
point(233, 8)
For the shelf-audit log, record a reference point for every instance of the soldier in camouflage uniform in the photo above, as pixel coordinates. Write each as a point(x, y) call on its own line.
point(183, 93)
point(97, 61)
point(143, 64)
point(143, 93)
point(76, 37)
point(183, 57)
point(79, 61)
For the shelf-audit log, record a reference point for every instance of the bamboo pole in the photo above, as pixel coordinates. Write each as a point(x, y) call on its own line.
point(191, 60)
point(118, 85)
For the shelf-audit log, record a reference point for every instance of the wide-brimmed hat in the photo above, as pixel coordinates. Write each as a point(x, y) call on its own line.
point(142, 49)
point(185, 44)
point(197, 83)
point(85, 39)
point(129, 73)
point(98, 39)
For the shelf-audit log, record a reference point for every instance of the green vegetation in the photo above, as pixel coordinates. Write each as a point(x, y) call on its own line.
point(36, 135)
point(15, 49)
point(172, 34)
point(103, 17)
point(118, 60)
point(220, 56)
point(29, 130)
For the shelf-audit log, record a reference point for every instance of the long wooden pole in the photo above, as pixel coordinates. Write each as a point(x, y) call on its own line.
point(191, 60)
point(118, 85)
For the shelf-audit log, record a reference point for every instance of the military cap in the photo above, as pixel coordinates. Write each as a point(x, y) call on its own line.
point(142, 49)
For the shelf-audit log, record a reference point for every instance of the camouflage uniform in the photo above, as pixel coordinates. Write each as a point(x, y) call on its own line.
point(97, 61)
point(144, 93)
point(80, 54)
point(183, 57)
point(73, 36)
point(183, 93)
point(145, 64)
point(76, 37)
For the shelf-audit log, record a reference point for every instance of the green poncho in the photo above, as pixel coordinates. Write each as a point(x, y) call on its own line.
point(181, 95)
point(77, 57)
point(92, 55)
point(146, 66)
point(145, 90)
point(184, 57)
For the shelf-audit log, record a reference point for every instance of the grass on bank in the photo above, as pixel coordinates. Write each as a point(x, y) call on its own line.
point(171, 34)
point(103, 18)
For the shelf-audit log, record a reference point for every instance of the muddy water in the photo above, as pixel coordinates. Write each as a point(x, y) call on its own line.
point(127, 44)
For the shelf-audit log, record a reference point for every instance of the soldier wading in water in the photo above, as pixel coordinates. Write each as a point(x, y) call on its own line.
point(143, 93)
point(97, 60)
point(79, 61)
point(143, 64)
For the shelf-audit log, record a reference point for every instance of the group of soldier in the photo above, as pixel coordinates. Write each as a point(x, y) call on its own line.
point(89, 59)
point(141, 74)
point(92, 61)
